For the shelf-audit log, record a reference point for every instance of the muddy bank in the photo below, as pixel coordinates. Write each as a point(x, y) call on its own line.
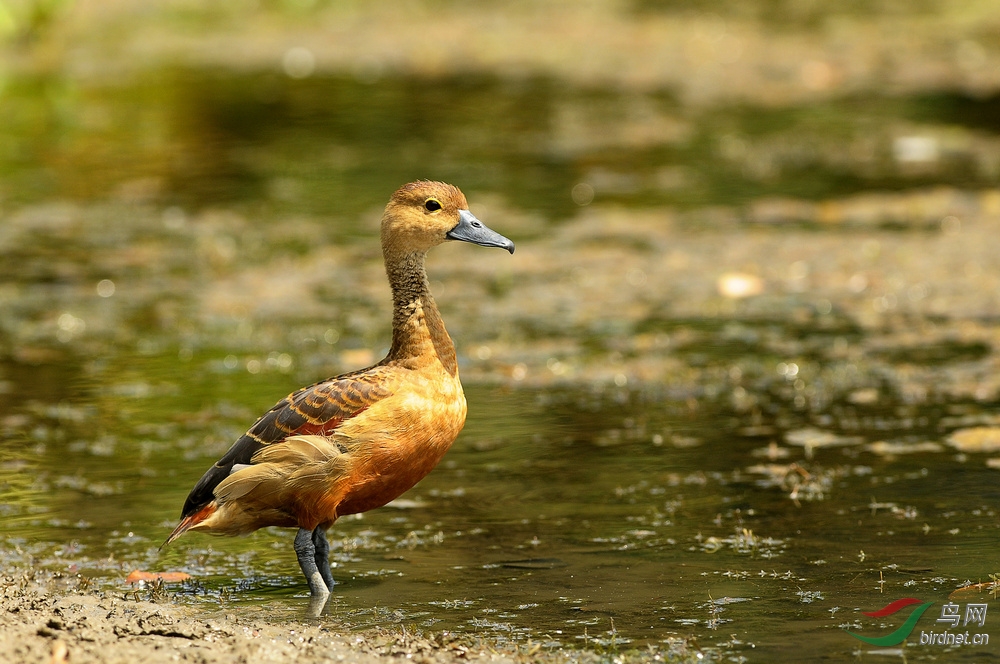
point(50, 619)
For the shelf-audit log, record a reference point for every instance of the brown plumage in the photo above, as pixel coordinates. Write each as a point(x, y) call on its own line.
point(357, 441)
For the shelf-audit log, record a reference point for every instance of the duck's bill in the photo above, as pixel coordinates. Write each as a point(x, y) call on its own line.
point(470, 229)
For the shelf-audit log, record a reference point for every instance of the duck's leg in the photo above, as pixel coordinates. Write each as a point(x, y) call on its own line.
point(305, 551)
point(323, 556)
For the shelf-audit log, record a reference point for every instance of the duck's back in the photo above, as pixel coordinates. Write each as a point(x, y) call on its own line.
point(341, 446)
point(317, 409)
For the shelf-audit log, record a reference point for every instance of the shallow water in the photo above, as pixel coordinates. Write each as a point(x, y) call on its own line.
point(567, 516)
point(789, 474)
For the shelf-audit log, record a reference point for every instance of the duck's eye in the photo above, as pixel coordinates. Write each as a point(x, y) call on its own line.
point(432, 205)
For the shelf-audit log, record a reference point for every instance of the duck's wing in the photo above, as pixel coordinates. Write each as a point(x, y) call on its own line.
point(315, 410)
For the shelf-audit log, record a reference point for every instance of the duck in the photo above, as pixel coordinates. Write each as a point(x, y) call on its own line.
point(357, 441)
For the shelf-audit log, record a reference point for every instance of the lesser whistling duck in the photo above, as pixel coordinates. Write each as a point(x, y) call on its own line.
point(356, 441)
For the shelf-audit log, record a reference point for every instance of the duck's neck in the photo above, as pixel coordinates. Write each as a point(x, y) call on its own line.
point(418, 333)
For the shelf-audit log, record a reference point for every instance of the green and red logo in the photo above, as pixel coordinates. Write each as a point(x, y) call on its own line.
point(899, 635)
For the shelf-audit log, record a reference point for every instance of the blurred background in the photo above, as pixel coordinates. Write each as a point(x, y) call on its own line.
point(225, 148)
point(746, 230)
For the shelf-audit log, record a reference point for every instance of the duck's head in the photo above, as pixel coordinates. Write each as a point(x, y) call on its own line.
point(423, 214)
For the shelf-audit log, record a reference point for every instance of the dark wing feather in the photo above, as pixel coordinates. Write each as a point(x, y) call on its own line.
point(317, 409)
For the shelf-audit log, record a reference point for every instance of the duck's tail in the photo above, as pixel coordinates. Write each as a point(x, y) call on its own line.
point(190, 520)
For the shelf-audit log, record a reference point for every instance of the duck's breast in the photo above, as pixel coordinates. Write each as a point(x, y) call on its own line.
point(396, 443)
